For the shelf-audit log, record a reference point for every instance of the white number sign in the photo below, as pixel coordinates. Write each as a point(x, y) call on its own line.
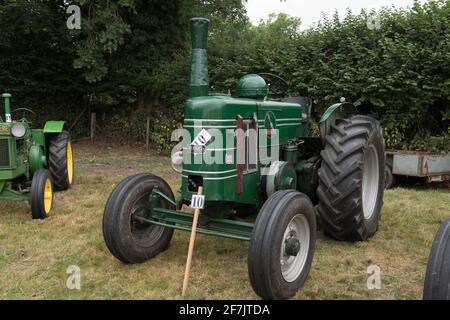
point(197, 202)
point(202, 138)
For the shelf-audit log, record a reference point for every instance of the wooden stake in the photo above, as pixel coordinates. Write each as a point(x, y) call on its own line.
point(93, 125)
point(187, 272)
point(147, 134)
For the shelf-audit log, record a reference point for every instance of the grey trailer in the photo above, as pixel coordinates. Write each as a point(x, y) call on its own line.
point(433, 167)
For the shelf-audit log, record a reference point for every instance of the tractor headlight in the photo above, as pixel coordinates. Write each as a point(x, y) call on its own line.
point(18, 130)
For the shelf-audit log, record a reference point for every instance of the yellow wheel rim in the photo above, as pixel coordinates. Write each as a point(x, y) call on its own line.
point(69, 162)
point(48, 196)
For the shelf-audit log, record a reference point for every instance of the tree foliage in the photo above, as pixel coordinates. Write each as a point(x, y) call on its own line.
point(131, 59)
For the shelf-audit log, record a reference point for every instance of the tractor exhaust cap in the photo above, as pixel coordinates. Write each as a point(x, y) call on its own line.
point(199, 79)
point(7, 98)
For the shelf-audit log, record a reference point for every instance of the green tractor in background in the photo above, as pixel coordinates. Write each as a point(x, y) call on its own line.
point(33, 162)
point(269, 167)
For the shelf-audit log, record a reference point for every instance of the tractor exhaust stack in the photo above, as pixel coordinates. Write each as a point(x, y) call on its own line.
point(7, 98)
point(199, 79)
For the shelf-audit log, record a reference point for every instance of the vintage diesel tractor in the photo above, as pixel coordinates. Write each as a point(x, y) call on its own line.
point(33, 162)
point(252, 155)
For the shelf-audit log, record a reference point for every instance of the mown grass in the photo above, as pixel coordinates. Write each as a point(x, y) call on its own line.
point(34, 255)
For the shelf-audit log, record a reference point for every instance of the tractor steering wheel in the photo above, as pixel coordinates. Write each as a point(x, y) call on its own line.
point(26, 110)
point(278, 86)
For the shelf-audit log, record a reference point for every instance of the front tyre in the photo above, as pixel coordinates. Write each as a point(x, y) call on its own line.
point(352, 179)
point(282, 245)
point(126, 237)
point(41, 194)
point(61, 161)
point(437, 277)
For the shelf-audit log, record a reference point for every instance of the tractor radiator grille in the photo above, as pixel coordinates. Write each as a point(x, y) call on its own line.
point(4, 153)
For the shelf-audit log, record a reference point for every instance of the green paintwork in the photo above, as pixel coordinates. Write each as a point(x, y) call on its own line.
point(336, 111)
point(7, 98)
point(342, 108)
point(218, 114)
point(211, 161)
point(37, 158)
point(199, 78)
point(25, 155)
point(54, 126)
point(252, 86)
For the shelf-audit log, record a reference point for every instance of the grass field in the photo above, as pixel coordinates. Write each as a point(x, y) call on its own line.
point(34, 255)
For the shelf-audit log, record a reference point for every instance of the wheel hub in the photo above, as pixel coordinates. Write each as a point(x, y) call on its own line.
point(292, 247)
point(370, 182)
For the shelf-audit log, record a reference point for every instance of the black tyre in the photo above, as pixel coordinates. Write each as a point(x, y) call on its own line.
point(41, 195)
point(127, 238)
point(437, 277)
point(389, 178)
point(61, 163)
point(351, 179)
point(282, 245)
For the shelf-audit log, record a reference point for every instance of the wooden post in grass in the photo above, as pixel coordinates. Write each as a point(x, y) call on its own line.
point(191, 246)
point(93, 125)
point(147, 134)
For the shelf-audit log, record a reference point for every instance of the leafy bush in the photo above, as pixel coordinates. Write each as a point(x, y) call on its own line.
point(397, 72)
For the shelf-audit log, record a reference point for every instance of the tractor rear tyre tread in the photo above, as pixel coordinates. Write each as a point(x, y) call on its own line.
point(340, 188)
point(58, 165)
point(117, 222)
point(37, 193)
point(437, 277)
point(264, 265)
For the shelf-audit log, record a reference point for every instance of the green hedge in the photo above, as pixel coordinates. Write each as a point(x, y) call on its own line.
point(398, 73)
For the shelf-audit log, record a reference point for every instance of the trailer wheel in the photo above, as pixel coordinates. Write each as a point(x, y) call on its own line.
point(389, 178)
point(351, 179)
point(437, 277)
point(41, 195)
point(61, 161)
point(128, 239)
point(282, 245)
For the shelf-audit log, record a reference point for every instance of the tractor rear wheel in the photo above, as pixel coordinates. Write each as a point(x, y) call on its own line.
point(41, 200)
point(128, 238)
point(61, 161)
point(351, 179)
point(437, 277)
point(282, 245)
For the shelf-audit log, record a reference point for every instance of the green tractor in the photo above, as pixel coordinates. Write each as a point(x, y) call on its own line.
point(33, 162)
point(253, 156)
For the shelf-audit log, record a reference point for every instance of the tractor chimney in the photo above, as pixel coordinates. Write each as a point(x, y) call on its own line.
point(7, 97)
point(199, 79)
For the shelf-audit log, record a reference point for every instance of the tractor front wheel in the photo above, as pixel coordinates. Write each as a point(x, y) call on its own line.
point(352, 179)
point(61, 161)
point(128, 238)
point(282, 245)
point(41, 200)
point(437, 277)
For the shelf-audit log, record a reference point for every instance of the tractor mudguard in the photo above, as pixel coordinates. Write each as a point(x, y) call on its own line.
point(336, 111)
point(55, 126)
